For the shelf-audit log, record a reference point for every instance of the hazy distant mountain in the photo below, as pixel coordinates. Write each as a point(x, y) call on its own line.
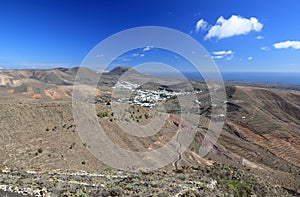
point(121, 70)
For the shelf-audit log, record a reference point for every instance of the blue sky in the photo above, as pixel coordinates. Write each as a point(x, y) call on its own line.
point(240, 35)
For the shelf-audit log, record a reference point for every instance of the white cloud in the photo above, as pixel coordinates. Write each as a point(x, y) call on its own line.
point(292, 64)
point(44, 65)
point(201, 25)
point(218, 57)
point(229, 52)
point(99, 55)
point(138, 55)
point(250, 58)
point(287, 44)
point(229, 58)
point(1, 68)
point(123, 59)
point(235, 25)
point(223, 54)
point(265, 48)
point(259, 37)
point(147, 48)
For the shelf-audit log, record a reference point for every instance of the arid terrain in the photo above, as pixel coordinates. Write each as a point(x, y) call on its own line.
point(257, 154)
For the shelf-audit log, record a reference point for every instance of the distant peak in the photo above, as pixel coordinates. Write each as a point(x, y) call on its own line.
point(123, 69)
point(61, 69)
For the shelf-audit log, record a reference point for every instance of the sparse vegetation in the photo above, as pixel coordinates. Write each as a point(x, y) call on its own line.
point(72, 146)
point(40, 150)
point(82, 194)
point(107, 171)
point(250, 132)
point(127, 119)
point(240, 188)
point(102, 114)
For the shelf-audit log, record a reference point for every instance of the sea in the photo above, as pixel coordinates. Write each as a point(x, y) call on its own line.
point(287, 78)
point(266, 77)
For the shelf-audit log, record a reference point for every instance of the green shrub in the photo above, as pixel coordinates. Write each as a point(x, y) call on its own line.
point(40, 150)
point(82, 194)
point(127, 120)
point(239, 188)
point(102, 114)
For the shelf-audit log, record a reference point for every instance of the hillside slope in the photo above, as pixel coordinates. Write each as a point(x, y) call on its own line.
point(261, 134)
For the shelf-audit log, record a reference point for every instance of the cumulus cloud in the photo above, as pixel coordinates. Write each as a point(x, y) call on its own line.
point(201, 25)
point(265, 48)
point(235, 25)
point(148, 48)
point(250, 58)
point(287, 44)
